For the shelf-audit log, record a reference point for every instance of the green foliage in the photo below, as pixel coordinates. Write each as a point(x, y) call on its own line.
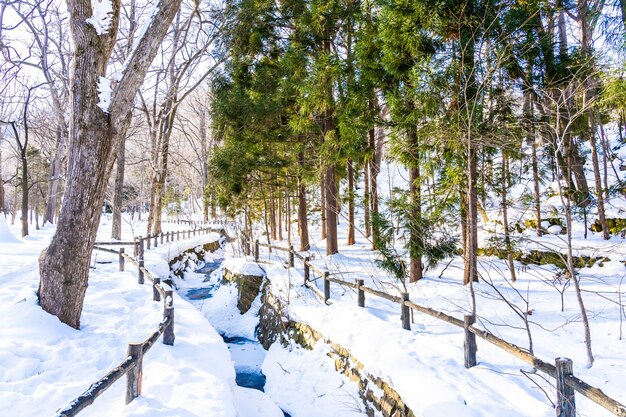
point(388, 259)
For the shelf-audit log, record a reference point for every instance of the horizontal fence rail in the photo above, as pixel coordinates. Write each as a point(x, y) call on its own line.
point(562, 371)
point(132, 365)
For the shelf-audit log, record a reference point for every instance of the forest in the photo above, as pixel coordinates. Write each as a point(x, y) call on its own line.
point(397, 137)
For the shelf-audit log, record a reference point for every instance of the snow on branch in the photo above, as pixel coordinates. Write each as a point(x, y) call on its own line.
point(102, 12)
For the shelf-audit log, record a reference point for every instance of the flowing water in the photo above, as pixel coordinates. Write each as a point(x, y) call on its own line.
point(247, 354)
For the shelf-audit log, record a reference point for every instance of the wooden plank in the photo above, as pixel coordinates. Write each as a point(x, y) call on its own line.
point(316, 269)
point(95, 390)
point(114, 243)
point(434, 313)
point(106, 250)
point(131, 259)
point(317, 292)
point(384, 295)
point(342, 282)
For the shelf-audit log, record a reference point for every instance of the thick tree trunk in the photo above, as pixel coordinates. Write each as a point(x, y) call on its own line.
point(118, 192)
point(303, 226)
point(351, 239)
point(94, 138)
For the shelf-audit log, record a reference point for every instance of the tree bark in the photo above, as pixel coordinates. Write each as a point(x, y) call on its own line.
point(116, 226)
point(351, 238)
point(303, 226)
point(505, 217)
point(366, 200)
point(94, 139)
point(373, 174)
point(323, 204)
point(332, 246)
point(416, 268)
point(52, 196)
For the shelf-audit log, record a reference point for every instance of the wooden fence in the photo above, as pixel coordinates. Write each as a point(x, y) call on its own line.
point(133, 364)
point(562, 371)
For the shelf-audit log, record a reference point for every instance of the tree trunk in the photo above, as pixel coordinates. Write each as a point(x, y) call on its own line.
point(531, 139)
point(118, 192)
point(279, 216)
point(416, 268)
point(597, 177)
point(374, 170)
point(323, 204)
point(55, 175)
point(366, 200)
point(303, 226)
point(331, 211)
point(505, 218)
point(351, 239)
point(272, 213)
point(24, 193)
point(94, 139)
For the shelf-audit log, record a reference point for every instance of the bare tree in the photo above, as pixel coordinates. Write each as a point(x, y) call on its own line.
point(99, 118)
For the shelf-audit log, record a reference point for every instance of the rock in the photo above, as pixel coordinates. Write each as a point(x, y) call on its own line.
point(555, 229)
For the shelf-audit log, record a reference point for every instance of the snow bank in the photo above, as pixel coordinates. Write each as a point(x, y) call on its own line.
point(5, 234)
point(45, 364)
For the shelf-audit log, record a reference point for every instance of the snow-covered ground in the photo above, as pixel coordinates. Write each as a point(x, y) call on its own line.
point(45, 364)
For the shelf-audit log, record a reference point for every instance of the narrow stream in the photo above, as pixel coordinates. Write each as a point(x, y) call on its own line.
point(247, 354)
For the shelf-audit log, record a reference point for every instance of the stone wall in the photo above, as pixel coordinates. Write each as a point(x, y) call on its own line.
point(179, 264)
point(248, 288)
point(375, 393)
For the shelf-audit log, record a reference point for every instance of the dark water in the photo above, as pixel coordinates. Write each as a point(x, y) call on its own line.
point(209, 267)
point(247, 354)
point(200, 293)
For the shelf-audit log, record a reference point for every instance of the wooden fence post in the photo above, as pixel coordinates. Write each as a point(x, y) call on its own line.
point(136, 248)
point(134, 373)
point(565, 401)
point(405, 313)
point(156, 240)
point(161, 238)
point(326, 287)
point(307, 270)
point(140, 260)
point(167, 237)
point(256, 250)
point(148, 240)
point(361, 293)
point(178, 235)
point(156, 295)
point(168, 311)
point(291, 256)
point(469, 345)
point(122, 259)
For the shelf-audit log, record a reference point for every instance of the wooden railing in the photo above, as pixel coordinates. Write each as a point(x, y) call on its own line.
point(562, 371)
point(133, 364)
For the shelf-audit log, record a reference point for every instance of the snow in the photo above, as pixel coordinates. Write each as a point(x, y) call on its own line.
point(45, 364)
point(102, 12)
point(104, 94)
point(6, 236)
